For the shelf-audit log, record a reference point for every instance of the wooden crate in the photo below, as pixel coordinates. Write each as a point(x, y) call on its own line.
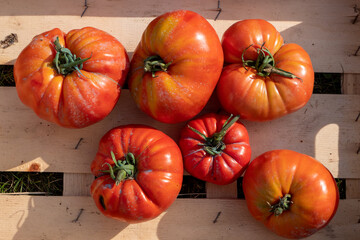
point(328, 127)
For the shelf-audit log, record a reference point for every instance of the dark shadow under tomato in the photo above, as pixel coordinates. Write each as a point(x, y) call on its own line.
point(192, 188)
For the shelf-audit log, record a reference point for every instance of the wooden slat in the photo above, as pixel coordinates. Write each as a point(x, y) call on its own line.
point(351, 85)
point(77, 184)
point(325, 128)
point(28, 143)
point(352, 188)
point(308, 23)
point(55, 218)
point(221, 191)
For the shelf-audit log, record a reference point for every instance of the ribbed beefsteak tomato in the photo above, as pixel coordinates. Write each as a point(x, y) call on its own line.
point(139, 173)
point(71, 79)
point(215, 148)
point(264, 79)
point(293, 194)
point(176, 66)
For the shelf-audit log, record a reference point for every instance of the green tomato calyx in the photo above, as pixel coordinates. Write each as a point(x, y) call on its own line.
point(283, 205)
point(122, 169)
point(265, 63)
point(214, 144)
point(154, 64)
point(65, 62)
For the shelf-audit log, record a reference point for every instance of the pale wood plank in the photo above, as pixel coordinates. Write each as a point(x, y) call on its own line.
point(221, 191)
point(308, 23)
point(325, 128)
point(32, 144)
point(77, 184)
point(54, 218)
point(351, 85)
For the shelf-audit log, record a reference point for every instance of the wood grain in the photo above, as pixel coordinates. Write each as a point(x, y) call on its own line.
point(325, 129)
point(77, 184)
point(308, 23)
point(351, 85)
point(221, 191)
point(41, 217)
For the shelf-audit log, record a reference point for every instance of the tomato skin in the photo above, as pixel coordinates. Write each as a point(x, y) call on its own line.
point(313, 192)
point(187, 41)
point(72, 101)
point(158, 177)
point(242, 34)
point(222, 168)
point(243, 92)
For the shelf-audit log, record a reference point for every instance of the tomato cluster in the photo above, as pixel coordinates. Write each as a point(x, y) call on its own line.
point(75, 80)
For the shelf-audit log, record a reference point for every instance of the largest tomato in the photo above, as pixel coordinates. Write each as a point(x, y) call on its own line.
point(140, 172)
point(71, 79)
point(176, 66)
point(265, 79)
point(291, 193)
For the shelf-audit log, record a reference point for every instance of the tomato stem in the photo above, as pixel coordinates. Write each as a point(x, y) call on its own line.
point(123, 169)
point(154, 64)
point(214, 144)
point(265, 63)
point(65, 62)
point(283, 205)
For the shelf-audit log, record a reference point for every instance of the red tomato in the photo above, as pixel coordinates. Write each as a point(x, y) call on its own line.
point(272, 81)
point(74, 81)
point(215, 148)
point(176, 66)
point(146, 178)
point(291, 193)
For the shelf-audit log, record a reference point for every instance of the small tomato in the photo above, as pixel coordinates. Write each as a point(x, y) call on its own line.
point(215, 148)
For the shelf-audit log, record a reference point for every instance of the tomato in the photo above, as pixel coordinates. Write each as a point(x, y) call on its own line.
point(293, 194)
point(264, 79)
point(72, 79)
point(139, 173)
point(176, 66)
point(215, 148)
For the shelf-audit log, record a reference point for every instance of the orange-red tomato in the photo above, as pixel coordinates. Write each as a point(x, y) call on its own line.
point(52, 79)
point(272, 81)
point(215, 148)
point(147, 176)
point(291, 193)
point(176, 66)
